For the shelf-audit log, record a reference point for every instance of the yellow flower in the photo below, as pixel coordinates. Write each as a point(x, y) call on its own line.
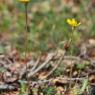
point(24, 1)
point(72, 22)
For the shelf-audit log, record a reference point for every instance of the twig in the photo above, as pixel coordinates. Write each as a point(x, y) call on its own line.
point(31, 64)
point(10, 87)
point(56, 66)
point(7, 59)
point(40, 82)
point(50, 56)
point(72, 58)
point(7, 87)
point(35, 65)
point(22, 72)
point(5, 65)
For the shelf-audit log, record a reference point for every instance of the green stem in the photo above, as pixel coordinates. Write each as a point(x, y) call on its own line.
point(26, 34)
point(26, 29)
point(71, 52)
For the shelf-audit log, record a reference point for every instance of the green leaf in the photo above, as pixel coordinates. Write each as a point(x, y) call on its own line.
point(84, 85)
point(23, 88)
point(80, 66)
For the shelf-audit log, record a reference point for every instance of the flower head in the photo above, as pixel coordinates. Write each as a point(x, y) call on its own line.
point(24, 1)
point(72, 22)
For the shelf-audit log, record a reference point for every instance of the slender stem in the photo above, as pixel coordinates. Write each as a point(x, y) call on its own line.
point(26, 40)
point(26, 29)
point(26, 34)
point(71, 52)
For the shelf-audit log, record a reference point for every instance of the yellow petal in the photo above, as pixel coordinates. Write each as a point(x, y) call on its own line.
point(24, 1)
point(69, 21)
point(72, 22)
